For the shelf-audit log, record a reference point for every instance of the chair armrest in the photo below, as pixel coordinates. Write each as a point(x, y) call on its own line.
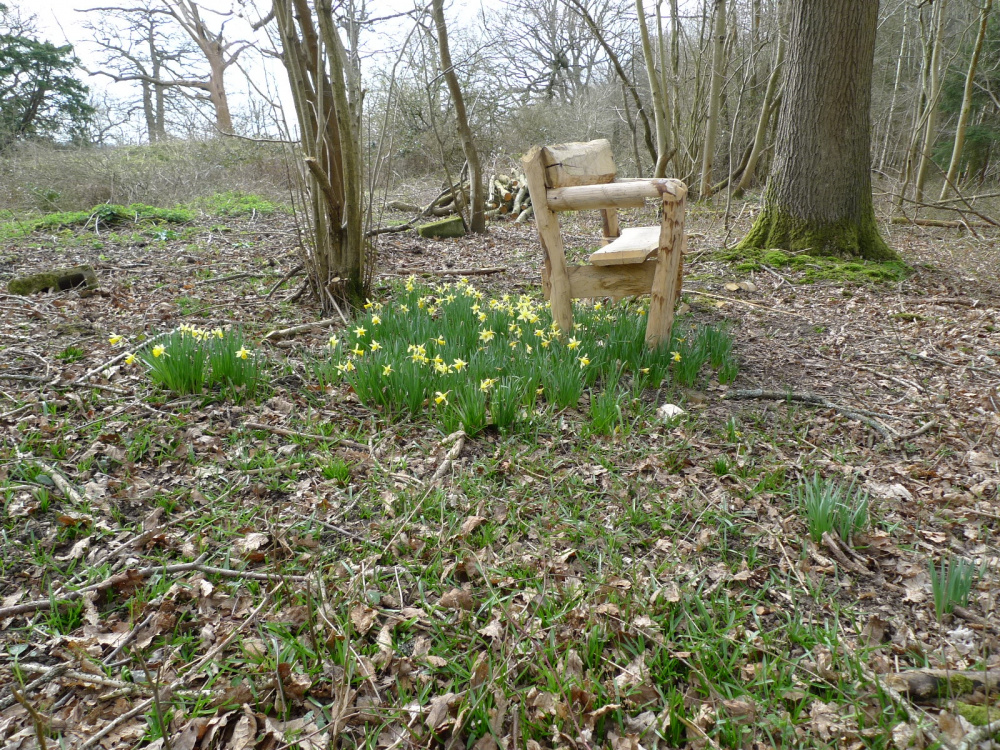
point(618, 194)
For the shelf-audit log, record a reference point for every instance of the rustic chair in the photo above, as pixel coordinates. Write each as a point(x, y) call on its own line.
point(641, 260)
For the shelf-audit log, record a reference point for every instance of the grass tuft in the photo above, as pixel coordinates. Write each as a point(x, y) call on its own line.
point(951, 584)
point(831, 506)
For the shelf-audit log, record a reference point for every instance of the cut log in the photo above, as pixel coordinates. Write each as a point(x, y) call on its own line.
point(403, 206)
point(61, 279)
point(578, 164)
point(453, 226)
point(626, 194)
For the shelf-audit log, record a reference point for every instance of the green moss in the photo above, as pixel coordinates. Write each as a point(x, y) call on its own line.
point(66, 278)
point(977, 715)
point(812, 268)
point(776, 227)
point(111, 214)
point(452, 226)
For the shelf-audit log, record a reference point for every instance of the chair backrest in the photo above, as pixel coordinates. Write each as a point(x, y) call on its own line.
point(572, 164)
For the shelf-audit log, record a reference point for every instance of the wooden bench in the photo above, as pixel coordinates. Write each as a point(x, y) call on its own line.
point(641, 260)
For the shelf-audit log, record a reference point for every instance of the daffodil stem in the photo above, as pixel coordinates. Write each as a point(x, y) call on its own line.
point(87, 375)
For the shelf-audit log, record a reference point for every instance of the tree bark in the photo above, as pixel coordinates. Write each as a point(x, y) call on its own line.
point(477, 197)
point(714, 98)
point(933, 95)
point(963, 117)
point(661, 105)
point(819, 194)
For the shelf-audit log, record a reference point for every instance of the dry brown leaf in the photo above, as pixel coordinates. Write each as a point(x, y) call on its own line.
point(457, 599)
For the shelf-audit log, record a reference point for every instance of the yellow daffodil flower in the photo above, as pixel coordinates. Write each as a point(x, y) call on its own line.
point(386, 370)
point(441, 398)
point(217, 332)
point(159, 350)
point(404, 308)
point(114, 339)
point(243, 353)
point(486, 335)
point(573, 343)
point(481, 316)
point(441, 368)
point(584, 361)
point(368, 304)
point(375, 346)
point(410, 281)
point(675, 356)
point(359, 331)
point(439, 341)
point(459, 364)
point(130, 359)
point(333, 342)
point(486, 384)
point(376, 320)
point(358, 351)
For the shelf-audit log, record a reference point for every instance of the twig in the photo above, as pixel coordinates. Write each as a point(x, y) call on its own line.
point(925, 427)
point(744, 302)
point(36, 718)
point(977, 735)
point(46, 604)
point(457, 439)
point(295, 271)
point(61, 483)
point(86, 376)
point(306, 435)
point(24, 378)
point(95, 738)
point(835, 549)
point(336, 306)
point(284, 333)
point(133, 633)
point(815, 400)
point(934, 360)
point(157, 708)
point(231, 277)
point(448, 271)
point(48, 676)
point(776, 275)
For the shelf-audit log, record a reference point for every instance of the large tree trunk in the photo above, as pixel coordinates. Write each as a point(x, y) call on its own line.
point(659, 94)
point(819, 194)
point(478, 197)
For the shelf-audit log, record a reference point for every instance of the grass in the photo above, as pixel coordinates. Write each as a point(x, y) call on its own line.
point(831, 506)
point(951, 583)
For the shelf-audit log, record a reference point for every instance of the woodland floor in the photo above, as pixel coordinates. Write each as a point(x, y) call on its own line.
point(657, 589)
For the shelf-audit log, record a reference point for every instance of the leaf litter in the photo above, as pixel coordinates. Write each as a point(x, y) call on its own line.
point(173, 576)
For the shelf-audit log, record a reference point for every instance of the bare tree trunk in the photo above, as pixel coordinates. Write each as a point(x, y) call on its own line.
point(933, 94)
point(661, 106)
point(895, 90)
point(464, 131)
point(314, 60)
point(766, 110)
point(963, 117)
point(819, 195)
point(714, 98)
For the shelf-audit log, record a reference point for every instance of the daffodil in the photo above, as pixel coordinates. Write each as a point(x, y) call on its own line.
point(573, 343)
point(675, 356)
point(333, 342)
point(584, 361)
point(375, 346)
point(441, 368)
point(441, 398)
point(598, 305)
point(359, 331)
point(114, 339)
point(369, 304)
point(410, 281)
point(243, 353)
point(387, 370)
point(159, 350)
point(217, 332)
point(486, 384)
point(459, 364)
point(358, 351)
point(130, 359)
point(486, 335)
point(376, 319)
point(404, 308)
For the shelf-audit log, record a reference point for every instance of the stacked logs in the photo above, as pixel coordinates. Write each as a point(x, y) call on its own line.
point(508, 197)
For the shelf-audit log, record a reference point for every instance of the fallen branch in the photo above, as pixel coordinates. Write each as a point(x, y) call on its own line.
point(284, 333)
point(815, 400)
point(127, 576)
point(231, 277)
point(450, 271)
point(306, 435)
point(978, 734)
point(48, 676)
point(942, 223)
point(744, 302)
point(61, 483)
point(457, 441)
point(294, 272)
point(838, 552)
point(931, 684)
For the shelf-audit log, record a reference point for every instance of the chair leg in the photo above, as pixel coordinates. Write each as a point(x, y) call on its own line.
point(666, 279)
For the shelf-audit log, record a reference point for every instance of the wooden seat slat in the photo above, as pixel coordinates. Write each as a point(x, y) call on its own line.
point(633, 246)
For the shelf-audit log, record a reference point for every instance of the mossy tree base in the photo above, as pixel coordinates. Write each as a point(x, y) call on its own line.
point(776, 228)
point(60, 279)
